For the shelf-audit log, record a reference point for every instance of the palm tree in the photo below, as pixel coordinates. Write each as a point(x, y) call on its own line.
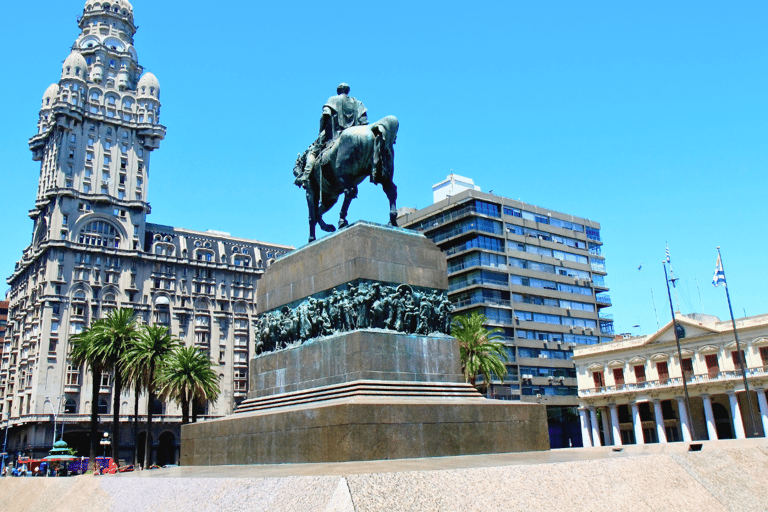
point(189, 375)
point(111, 338)
point(480, 352)
point(81, 351)
point(150, 353)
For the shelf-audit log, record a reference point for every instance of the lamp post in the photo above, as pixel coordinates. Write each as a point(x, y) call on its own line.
point(105, 442)
point(5, 442)
point(55, 413)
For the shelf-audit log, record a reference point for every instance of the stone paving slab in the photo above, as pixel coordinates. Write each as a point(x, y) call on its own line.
point(723, 476)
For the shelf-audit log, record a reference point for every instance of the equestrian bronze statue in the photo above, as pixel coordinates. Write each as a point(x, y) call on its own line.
point(347, 151)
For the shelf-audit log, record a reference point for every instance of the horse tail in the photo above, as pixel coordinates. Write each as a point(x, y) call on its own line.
point(383, 155)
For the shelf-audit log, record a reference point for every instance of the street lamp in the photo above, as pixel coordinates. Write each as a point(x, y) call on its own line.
point(105, 442)
point(55, 413)
point(5, 442)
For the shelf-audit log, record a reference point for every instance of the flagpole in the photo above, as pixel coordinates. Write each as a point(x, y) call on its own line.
point(738, 348)
point(680, 356)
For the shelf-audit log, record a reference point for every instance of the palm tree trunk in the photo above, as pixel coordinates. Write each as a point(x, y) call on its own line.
point(118, 389)
point(94, 416)
point(136, 426)
point(150, 403)
point(194, 409)
point(184, 408)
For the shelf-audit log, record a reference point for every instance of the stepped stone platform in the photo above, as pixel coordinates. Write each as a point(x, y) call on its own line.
point(365, 394)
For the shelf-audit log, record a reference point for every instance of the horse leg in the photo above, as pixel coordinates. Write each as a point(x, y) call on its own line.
point(325, 227)
point(312, 207)
point(391, 190)
point(349, 195)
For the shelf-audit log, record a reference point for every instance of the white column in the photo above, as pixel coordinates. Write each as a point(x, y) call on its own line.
point(686, 429)
point(763, 403)
point(710, 417)
point(616, 426)
point(584, 428)
point(738, 424)
point(595, 427)
point(661, 433)
point(638, 424)
point(606, 427)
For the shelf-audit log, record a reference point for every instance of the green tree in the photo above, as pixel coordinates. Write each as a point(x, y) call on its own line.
point(81, 352)
point(149, 354)
point(112, 336)
point(480, 352)
point(189, 375)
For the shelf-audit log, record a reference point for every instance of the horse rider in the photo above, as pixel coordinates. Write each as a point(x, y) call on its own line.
point(339, 113)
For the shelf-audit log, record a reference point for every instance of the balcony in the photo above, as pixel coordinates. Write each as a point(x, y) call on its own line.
point(677, 382)
point(603, 299)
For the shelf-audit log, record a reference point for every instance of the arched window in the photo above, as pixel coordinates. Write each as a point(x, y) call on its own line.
point(99, 233)
point(70, 406)
point(103, 406)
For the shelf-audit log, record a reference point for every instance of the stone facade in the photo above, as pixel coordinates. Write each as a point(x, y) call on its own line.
point(93, 250)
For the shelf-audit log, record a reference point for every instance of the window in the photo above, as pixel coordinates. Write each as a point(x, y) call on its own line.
point(70, 406)
point(736, 362)
point(105, 379)
point(598, 379)
point(639, 373)
point(764, 355)
point(162, 315)
point(618, 376)
point(73, 375)
point(687, 366)
point(663, 370)
point(99, 233)
point(713, 368)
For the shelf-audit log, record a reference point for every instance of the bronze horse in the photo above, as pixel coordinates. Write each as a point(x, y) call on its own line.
point(360, 152)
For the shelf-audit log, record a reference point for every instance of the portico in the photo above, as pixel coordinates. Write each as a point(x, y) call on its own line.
point(642, 397)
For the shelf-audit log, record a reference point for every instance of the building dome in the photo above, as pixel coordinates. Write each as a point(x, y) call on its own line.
point(148, 86)
point(75, 66)
point(50, 95)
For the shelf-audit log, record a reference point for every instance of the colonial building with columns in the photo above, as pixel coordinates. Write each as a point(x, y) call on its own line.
point(631, 390)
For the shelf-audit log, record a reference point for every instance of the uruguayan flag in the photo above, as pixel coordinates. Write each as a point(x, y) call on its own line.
point(719, 277)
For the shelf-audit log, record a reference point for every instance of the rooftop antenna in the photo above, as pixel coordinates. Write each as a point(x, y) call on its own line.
point(654, 311)
point(700, 302)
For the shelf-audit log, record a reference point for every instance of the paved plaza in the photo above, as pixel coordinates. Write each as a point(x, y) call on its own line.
point(722, 476)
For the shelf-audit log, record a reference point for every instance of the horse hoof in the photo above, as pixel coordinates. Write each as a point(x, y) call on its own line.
point(343, 223)
point(328, 228)
point(311, 239)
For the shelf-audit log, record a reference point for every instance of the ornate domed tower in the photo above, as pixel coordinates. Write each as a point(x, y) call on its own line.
point(92, 251)
point(96, 131)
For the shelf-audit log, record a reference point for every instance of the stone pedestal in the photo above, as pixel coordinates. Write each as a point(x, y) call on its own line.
point(366, 394)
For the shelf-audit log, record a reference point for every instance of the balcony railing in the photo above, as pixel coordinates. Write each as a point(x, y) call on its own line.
point(670, 382)
point(603, 298)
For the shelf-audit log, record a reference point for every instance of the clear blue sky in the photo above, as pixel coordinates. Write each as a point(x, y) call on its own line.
point(648, 117)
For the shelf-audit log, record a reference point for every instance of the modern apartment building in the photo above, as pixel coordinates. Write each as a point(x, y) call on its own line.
point(536, 274)
point(93, 250)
